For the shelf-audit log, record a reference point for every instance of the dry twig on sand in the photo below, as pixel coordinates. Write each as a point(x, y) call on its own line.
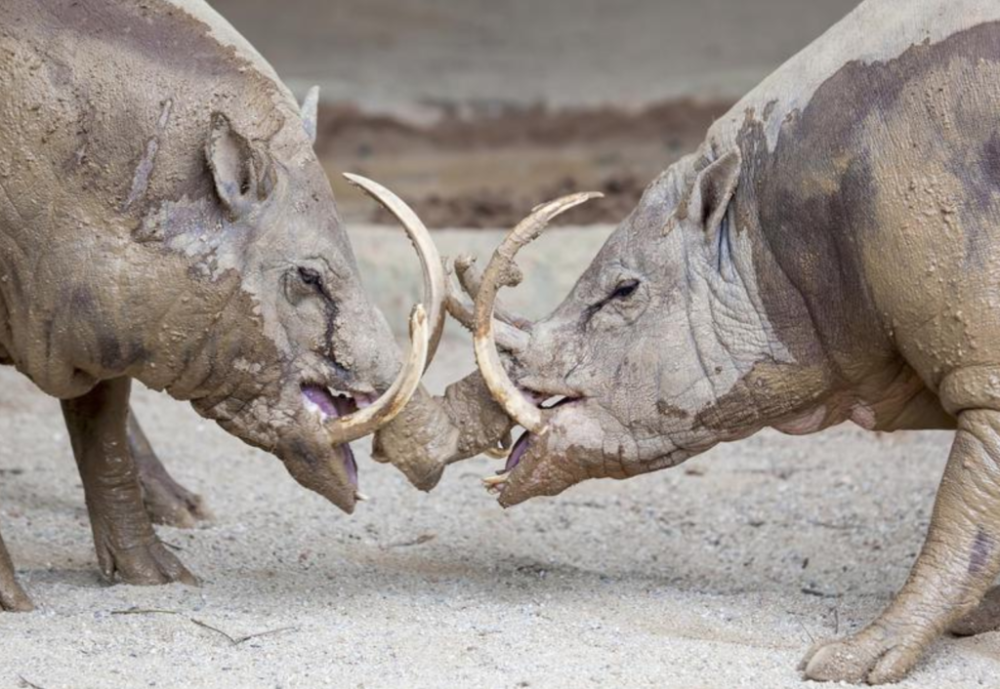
point(234, 640)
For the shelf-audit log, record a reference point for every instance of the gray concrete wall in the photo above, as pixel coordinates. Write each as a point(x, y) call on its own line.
point(393, 54)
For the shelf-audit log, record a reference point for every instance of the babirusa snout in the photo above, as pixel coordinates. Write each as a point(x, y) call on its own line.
point(371, 418)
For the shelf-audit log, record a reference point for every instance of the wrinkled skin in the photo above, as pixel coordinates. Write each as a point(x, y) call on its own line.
point(164, 218)
point(826, 255)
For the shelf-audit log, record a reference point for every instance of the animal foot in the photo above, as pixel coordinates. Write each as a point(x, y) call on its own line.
point(874, 655)
point(985, 618)
point(13, 598)
point(143, 565)
point(171, 504)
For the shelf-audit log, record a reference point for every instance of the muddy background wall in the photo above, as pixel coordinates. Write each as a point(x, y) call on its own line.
point(477, 109)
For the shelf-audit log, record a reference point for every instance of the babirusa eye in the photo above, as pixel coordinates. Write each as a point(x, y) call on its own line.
point(311, 278)
point(625, 289)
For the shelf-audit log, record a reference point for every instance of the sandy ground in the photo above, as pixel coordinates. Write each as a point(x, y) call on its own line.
point(716, 574)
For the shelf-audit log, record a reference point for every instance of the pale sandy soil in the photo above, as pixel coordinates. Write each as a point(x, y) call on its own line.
point(714, 575)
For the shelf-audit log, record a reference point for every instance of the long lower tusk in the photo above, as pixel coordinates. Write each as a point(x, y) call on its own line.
point(385, 408)
point(502, 271)
point(430, 260)
point(492, 481)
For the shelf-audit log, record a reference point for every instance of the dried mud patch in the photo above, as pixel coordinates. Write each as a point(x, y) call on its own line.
point(487, 165)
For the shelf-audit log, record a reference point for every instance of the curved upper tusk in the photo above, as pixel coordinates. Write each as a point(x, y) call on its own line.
point(385, 408)
point(470, 279)
point(502, 271)
point(430, 260)
point(462, 310)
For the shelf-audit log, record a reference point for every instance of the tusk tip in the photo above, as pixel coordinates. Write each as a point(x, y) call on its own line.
point(418, 318)
point(370, 186)
point(549, 210)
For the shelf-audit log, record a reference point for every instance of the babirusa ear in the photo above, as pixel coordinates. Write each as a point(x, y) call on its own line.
point(242, 169)
point(714, 188)
point(310, 106)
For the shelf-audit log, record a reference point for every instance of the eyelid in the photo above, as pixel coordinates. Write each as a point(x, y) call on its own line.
point(597, 306)
point(314, 280)
point(628, 284)
point(310, 276)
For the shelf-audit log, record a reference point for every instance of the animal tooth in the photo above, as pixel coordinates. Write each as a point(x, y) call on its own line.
point(498, 452)
point(493, 481)
point(360, 497)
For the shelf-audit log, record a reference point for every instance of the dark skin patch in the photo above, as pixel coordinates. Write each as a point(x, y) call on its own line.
point(670, 410)
point(109, 351)
point(156, 29)
point(301, 450)
point(786, 309)
point(770, 392)
point(982, 548)
point(768, 109)
point(983, 180)
point(806, 231)
point(812, 200)
point(989, 161)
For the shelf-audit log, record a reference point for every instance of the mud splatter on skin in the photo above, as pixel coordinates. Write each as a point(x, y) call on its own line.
point(820, 197)
point(164, 218)
point(140, 182)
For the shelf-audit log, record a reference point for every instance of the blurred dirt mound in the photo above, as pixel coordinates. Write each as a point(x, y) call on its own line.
point(486, 165)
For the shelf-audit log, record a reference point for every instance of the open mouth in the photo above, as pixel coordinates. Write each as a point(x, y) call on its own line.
point(496, 484)
point(328, 404)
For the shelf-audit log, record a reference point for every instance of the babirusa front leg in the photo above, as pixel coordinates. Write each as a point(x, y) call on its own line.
point(959, 561)
point(127, 546)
